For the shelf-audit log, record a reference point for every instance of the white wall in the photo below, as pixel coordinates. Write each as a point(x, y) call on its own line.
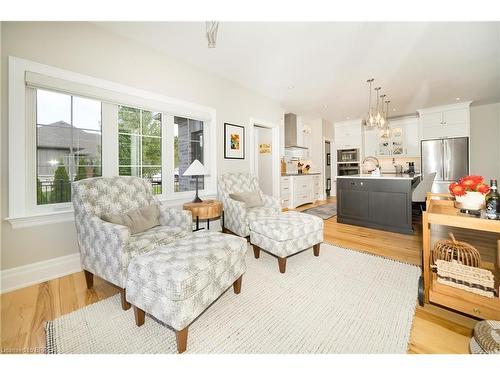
point(314, 142)
point(1, 144)
point(88, 49)
point(328, 131)
point(485, 140)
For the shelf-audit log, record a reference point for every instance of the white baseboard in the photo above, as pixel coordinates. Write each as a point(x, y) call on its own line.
point(34, 273)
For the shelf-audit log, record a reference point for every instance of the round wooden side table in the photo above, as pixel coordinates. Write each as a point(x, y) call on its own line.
point(209, 209)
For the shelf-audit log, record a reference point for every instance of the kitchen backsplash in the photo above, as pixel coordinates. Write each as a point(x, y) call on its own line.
point(387, 164)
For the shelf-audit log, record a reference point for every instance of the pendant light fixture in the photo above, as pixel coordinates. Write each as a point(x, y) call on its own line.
point(377, 117)
point(387, 128)
point(211, 29)
point(369, 121)
point(382, 121)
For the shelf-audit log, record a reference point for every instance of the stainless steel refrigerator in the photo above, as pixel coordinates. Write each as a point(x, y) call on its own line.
point(448, 157)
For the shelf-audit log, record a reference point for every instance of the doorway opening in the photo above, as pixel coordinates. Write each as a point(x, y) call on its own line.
point(265, 161)
point(263, 140)
point(328, 169)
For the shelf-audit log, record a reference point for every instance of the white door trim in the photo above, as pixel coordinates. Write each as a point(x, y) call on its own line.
point(324, 164)
point(275, 150)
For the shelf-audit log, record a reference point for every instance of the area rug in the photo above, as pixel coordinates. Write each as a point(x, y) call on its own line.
point(325, 211)
point(343, 301)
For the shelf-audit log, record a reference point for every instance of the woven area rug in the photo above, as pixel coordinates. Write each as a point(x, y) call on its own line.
point(325, 211)
point(343, 301)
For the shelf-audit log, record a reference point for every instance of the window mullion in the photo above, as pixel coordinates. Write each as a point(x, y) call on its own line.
point(110, 147)
point(71, 156)
point(167, 156)
point(140, 143)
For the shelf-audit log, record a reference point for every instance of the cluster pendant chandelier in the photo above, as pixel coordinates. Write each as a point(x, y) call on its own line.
point(211, 31)
point(377, 117)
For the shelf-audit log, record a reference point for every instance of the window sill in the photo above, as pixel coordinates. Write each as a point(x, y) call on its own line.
point(40, 219)
point(56, 217)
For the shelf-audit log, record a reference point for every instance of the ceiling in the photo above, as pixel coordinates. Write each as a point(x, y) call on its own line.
point(320, 69)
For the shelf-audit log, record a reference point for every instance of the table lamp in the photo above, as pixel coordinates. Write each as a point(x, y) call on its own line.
point(195, 169)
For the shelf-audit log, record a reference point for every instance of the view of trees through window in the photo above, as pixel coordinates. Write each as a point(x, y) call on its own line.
point(188, 146)
point(68, 143)
point(139, 145)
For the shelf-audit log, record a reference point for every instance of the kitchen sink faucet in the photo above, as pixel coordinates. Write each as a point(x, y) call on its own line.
point(372, 158)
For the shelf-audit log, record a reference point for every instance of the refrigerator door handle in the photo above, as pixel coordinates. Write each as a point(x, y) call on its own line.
point(446, 161)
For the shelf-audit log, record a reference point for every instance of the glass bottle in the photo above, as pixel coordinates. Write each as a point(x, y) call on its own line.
point(493, 202)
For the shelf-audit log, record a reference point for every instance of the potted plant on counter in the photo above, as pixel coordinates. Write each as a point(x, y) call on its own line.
point(469, 192)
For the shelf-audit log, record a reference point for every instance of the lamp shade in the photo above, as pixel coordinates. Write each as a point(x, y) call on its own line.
point(195, 169)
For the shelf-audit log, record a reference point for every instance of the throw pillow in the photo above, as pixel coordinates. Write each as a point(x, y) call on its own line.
point(138, 220)
point(250, 198)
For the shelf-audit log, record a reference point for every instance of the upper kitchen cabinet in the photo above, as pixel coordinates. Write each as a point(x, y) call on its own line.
point(405, 137)
point(370, 142)
point(348, 134)
point(402, 139)
point(445, 121)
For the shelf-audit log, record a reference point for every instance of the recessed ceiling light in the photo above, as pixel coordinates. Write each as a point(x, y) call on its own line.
point(325, 106)
point(348, 118)
point(457, 98)
point(291, 87)
point(394, 110)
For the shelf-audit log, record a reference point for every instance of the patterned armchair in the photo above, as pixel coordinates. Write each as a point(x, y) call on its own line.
point(105, 248)
point(236, 216)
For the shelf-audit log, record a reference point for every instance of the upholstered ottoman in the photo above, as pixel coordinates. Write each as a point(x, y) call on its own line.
point(177, 282)
point(486, 338)
point(286, 234)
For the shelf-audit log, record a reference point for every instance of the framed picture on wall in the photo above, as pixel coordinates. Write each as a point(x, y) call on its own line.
point(234, 141)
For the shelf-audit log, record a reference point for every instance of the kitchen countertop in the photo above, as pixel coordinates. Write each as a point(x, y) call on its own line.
point(390, 176)
point(302, 174)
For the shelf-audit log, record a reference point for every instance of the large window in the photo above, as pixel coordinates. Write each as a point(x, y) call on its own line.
point(139, 145)
point(78, 127)
point(68, 143)
point(188, 146)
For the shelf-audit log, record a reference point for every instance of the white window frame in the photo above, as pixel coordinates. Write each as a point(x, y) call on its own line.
point(23, 210)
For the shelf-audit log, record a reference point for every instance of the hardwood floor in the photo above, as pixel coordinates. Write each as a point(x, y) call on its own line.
point(435, 330)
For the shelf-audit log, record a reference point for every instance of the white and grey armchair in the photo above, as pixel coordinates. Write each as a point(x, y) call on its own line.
point(237, 216)
point(105, 248)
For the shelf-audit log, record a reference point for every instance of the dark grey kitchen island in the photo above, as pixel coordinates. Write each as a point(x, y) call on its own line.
point(381, 202)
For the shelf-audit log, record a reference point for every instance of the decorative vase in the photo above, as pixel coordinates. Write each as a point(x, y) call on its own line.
point(472, 200)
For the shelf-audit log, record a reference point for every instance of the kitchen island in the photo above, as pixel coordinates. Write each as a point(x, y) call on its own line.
point(381, 202)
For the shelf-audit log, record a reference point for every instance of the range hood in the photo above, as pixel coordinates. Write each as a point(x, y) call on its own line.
point(291, 132)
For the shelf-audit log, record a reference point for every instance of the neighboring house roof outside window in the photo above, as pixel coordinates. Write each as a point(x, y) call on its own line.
point(58, 136)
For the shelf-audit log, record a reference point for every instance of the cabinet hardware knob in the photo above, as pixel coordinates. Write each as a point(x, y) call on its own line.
point(476, 310)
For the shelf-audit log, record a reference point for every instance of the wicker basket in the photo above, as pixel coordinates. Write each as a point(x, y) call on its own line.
point(453, 250)
point(472, 279)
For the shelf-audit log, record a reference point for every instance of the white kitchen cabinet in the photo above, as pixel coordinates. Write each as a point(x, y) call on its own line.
point(301, 189)
point(348, 134)
point(402, 140)
point(412, 139)
point(285, 193)
point(317, 187)
point(445, 121)
point(370, 143)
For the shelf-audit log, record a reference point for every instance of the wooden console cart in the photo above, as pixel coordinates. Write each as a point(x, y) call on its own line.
point(440, 211)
